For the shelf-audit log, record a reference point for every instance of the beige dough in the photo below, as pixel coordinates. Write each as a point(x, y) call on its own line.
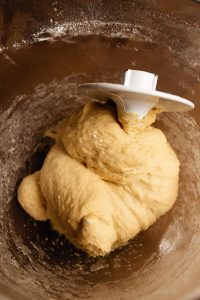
point(103, 181)
point(31, 198)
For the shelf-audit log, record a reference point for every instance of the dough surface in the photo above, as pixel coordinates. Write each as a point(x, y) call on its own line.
point(104, 180)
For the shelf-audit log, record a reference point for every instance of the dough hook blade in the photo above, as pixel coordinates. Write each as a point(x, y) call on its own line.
point(137, 95)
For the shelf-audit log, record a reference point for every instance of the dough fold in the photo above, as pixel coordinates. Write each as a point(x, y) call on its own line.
point(104, 180)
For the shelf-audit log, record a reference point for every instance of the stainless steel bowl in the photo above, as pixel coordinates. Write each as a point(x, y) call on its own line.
point(47, 49)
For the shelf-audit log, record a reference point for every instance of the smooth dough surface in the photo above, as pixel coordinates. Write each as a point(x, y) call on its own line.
point(104, 180)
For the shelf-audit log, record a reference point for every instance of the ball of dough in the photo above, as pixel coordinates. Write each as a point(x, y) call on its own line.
point(104, 183)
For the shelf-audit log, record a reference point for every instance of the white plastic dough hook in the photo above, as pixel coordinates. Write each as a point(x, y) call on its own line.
point(137, 95)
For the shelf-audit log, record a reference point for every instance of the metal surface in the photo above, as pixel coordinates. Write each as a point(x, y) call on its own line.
point(48, 48)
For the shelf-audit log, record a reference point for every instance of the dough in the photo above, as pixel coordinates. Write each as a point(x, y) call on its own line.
point(31, 198)
point(104, 180)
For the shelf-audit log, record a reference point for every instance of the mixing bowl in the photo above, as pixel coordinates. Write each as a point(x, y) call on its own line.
point(47, 49)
